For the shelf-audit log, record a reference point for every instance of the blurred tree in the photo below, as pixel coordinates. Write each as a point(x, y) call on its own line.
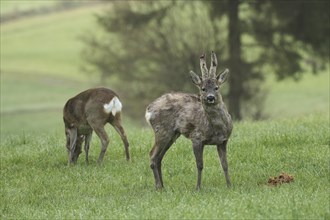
point(151, 46)
point(267, 36)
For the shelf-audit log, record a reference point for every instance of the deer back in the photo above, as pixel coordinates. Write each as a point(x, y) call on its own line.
point(97, 103)
point(203, 117)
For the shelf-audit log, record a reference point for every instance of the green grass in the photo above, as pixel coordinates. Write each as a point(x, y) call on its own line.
point(22, 92)
point(291, 99)
point(33, 104)
point(47, 44)
point(37, 183)
point(14, 6)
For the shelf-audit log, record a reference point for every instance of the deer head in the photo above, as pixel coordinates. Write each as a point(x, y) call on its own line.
point(209, 84)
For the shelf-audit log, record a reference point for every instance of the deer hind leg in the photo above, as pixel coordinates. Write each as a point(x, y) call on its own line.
point(120, 130)
point(162, 144)
point(98, 127)
point(222, 152)
point(198, 152)
point(88, 139)
point(154, 166)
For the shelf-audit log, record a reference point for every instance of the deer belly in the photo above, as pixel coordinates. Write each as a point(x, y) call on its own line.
point(84, 129)
point(216, 139)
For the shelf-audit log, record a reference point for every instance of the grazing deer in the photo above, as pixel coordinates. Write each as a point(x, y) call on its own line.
point(203, 119)
point(91, 110)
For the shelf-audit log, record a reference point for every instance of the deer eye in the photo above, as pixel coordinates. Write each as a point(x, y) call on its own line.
point(216, 88)
point(203, 89)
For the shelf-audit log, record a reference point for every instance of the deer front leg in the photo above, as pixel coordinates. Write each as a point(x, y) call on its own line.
point(72, 139)
point(198, 151)
point(222, 152)
point(77, 150)
point(88, 139)
point(67, 135)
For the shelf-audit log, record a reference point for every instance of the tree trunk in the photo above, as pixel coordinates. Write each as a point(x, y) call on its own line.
point(235, 62)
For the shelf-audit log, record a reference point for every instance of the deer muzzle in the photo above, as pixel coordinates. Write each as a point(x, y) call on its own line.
point(210, 99)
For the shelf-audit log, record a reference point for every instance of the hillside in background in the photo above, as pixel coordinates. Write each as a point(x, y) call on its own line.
point(8, 7)
point(40, 70)
point(46, 44)
point(19, 9)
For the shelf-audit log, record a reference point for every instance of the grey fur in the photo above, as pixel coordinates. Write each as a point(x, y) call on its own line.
point(203, 119)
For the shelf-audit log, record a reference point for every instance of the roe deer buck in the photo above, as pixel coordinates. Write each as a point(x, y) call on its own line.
point(204, 119)
point(91, 110)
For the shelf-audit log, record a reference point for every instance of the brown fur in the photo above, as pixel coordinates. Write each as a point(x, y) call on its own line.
point(84, 113)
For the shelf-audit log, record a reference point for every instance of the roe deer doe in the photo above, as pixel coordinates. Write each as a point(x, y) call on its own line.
point(91, 110)
point(204, 119)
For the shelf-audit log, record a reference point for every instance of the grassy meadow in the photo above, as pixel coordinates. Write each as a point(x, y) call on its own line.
point(9, 6)
point(40, 70)
point(37, 183)
point(48, 44)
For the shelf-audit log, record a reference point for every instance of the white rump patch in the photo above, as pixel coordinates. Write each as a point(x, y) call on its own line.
point(148, 116)
point(114, 106)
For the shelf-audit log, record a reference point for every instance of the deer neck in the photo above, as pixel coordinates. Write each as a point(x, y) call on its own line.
point(218, 116)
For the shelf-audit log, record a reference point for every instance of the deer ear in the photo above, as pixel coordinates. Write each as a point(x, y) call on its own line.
point(195, 78)
point(222, 77)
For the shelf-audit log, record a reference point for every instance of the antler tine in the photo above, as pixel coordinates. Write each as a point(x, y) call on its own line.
point(204, 69)
point(214, 64)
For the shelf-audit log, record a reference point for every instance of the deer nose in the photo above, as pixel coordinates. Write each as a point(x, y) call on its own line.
point(210, 98)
